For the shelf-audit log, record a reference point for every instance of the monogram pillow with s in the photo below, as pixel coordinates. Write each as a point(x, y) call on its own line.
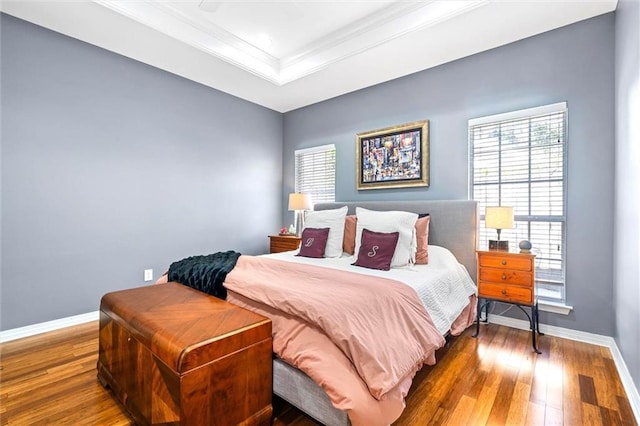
point(376, 249)
point(390, 221)
point(313, 242)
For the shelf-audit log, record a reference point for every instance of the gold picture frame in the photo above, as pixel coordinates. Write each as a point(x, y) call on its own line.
point(393, 157)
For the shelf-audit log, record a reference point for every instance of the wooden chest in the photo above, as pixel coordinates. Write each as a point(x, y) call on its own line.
point(174, 355)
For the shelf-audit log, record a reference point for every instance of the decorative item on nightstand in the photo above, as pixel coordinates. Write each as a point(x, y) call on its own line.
point(299, 202)
point(499, 218)
point(525, 246)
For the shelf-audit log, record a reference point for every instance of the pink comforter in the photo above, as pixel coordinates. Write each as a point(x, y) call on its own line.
point(361, 338)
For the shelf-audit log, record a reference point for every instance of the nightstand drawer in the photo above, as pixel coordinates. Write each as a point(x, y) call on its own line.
point(280, 243)
point(506, 292)
point(277, 247)
point(506, 276)
point(510, 262)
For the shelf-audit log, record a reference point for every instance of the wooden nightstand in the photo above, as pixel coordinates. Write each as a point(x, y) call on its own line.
point(510, 278)
point(279, 243)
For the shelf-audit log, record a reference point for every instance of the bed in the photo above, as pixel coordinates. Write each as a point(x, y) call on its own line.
point(348, 340)
point(453, 225)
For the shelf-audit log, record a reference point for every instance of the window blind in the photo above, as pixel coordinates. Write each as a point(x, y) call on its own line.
point(315, 172)
point(519, 159)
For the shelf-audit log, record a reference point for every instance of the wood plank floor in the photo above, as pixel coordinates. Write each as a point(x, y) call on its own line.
point(493, 380)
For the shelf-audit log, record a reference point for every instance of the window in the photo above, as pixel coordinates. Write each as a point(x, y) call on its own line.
point(315, 173)
point(519, 159)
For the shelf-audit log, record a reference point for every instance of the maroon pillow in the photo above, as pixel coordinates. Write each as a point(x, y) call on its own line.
point(313, 242)
point(376, 249)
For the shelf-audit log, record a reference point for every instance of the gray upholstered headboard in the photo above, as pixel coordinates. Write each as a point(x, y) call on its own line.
point(453, 224)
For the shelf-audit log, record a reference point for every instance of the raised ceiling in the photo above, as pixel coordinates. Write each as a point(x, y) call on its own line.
point(288, 54)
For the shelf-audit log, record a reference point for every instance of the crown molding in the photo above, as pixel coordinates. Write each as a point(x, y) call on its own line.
point(219, 33)
point(395, 21)
point(202, 35)
point(489, 25)
point(375, 29)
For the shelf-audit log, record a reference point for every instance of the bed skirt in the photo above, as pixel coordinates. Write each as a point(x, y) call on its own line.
point(299, 390)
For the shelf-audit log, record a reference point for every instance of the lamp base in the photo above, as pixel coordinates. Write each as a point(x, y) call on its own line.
point(299, 222)
point(501, 245)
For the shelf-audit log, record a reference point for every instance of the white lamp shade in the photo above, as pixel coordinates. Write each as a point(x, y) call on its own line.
point(499, 217)
point(300, 201)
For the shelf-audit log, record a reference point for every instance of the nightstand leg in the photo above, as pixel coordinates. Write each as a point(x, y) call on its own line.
point(534, 327)
point(533, 323)
point(538, 321)
point(480, 306)
point(486, 311)
point(478, 309)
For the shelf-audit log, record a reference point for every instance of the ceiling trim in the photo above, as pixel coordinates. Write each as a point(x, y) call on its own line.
point(220, 33)
point(207, 37)
point(492, 24)
point(377, 28)
point(388, 23)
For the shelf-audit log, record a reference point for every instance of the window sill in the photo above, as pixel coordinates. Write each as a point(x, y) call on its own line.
point(556, 308)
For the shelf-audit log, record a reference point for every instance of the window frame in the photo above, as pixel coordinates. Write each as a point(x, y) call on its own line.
point(312, 150)
point(524, 114)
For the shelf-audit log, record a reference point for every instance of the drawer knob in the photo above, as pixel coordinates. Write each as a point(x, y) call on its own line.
point(504, 262)
point(504, 292)
point(128, 339)
point(504, 277)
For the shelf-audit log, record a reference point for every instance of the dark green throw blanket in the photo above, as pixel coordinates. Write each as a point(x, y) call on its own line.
point(205, 273)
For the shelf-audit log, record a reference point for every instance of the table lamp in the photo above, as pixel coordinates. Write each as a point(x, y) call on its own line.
point(499, 218)
point(299, 202)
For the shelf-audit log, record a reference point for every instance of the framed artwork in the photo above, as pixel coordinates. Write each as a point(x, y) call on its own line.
point(393, 157)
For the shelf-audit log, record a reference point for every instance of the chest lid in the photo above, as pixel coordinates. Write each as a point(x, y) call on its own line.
point(184, 327)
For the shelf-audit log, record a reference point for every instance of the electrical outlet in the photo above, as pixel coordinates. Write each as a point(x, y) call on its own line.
point(148, 274)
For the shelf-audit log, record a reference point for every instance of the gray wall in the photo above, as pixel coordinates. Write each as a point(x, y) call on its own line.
point(627, 178)
point(110, 166)
point(573, 64)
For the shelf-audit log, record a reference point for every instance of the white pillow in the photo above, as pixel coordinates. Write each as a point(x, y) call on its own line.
point(394, 221)
point(332, 219)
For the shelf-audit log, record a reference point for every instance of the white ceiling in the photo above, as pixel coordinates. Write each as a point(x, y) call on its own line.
point(291, 53)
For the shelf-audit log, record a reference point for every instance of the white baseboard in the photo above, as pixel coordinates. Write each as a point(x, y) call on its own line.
point(43, 327)
point(581, 336)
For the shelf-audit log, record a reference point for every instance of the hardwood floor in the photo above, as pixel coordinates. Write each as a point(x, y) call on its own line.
point(493, 380)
